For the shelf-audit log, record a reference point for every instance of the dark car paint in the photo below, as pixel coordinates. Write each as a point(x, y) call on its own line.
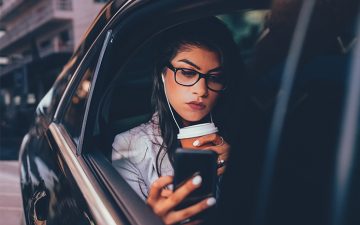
point(43, 171)
point(49, 173)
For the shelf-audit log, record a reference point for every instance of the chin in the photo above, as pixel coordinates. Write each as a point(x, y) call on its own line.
point(192, 117)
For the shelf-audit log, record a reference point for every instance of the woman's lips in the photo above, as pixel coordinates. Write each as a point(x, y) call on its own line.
point(196, 105)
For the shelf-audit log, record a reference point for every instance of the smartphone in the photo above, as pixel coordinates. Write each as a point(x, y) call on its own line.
point(189, 163)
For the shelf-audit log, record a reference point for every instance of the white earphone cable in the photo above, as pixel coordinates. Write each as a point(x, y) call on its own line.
point(167, 100)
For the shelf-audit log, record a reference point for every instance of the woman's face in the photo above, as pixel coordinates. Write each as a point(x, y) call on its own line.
point(192, 103)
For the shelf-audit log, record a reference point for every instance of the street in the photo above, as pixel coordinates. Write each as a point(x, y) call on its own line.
point(10, 197)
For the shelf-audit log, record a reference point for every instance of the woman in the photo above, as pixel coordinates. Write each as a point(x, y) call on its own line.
point(192, 84)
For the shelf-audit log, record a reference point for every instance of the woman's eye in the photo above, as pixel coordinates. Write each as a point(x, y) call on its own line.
point(188, 72)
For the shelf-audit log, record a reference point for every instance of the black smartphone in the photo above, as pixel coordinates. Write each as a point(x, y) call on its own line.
point(189, 163)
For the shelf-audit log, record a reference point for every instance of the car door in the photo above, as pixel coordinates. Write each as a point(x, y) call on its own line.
point(57, 193)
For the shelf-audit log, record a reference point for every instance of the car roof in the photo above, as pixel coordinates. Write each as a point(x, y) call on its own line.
point(113, 7)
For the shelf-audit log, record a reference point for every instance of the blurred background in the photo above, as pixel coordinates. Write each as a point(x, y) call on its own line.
point(37, 37)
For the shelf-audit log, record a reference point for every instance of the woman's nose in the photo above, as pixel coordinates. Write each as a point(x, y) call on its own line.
point(200, 88)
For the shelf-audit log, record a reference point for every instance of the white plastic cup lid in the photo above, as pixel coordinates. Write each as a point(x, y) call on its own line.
point(197, 130)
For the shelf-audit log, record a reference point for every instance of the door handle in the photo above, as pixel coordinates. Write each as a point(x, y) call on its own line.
point(38, 208)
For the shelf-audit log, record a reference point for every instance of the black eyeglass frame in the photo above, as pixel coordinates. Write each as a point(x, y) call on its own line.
point(201, 75)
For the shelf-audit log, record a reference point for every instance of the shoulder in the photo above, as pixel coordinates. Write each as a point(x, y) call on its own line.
point(141, 133)
point(134, 143)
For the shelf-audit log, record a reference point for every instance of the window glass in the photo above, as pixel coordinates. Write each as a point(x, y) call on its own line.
point(74, 114)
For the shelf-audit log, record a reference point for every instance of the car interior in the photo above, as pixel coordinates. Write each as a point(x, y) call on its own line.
point(126, 102)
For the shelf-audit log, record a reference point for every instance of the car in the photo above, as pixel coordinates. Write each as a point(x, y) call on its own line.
point(285, 124)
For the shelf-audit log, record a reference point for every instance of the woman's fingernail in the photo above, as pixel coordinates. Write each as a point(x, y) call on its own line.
point(196, 180)
point(211, 201)
point(196, 143)
point(171, 187)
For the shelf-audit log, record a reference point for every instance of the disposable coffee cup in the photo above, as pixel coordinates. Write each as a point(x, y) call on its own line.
point(188, 135)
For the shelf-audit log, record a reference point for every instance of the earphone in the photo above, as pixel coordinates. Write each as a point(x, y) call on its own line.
point(167, 100)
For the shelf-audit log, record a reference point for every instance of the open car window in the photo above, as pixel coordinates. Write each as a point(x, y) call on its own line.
point(127, 101)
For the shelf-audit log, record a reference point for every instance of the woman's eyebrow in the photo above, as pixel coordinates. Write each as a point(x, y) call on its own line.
point(190, 63)
point(196, 66)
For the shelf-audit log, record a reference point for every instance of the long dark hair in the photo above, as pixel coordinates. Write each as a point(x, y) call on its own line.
point(210, 34)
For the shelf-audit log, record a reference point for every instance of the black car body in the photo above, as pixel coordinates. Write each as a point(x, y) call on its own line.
point(66, 174)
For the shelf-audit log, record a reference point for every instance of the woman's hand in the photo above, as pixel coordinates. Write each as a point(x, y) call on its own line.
point(163, 201)
point(219, 145)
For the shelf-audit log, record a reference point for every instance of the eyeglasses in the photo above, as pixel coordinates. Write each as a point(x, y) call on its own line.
point(189, 77)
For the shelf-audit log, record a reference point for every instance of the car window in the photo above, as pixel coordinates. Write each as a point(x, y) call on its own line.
point(75, 109)
point(74, 114)
point(120, 112)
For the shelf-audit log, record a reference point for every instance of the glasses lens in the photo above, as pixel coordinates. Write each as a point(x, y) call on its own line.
point(186, 76)
point(216, 82)
point(189, 77)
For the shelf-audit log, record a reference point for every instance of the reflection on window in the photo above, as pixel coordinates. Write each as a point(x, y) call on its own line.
point(75, 113)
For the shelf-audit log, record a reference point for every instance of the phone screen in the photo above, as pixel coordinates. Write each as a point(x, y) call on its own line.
point(189, 163)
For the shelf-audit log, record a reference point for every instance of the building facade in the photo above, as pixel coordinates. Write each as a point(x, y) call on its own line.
point(37, 37)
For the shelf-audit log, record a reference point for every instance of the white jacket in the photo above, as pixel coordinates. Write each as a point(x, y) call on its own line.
point(134, 156)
